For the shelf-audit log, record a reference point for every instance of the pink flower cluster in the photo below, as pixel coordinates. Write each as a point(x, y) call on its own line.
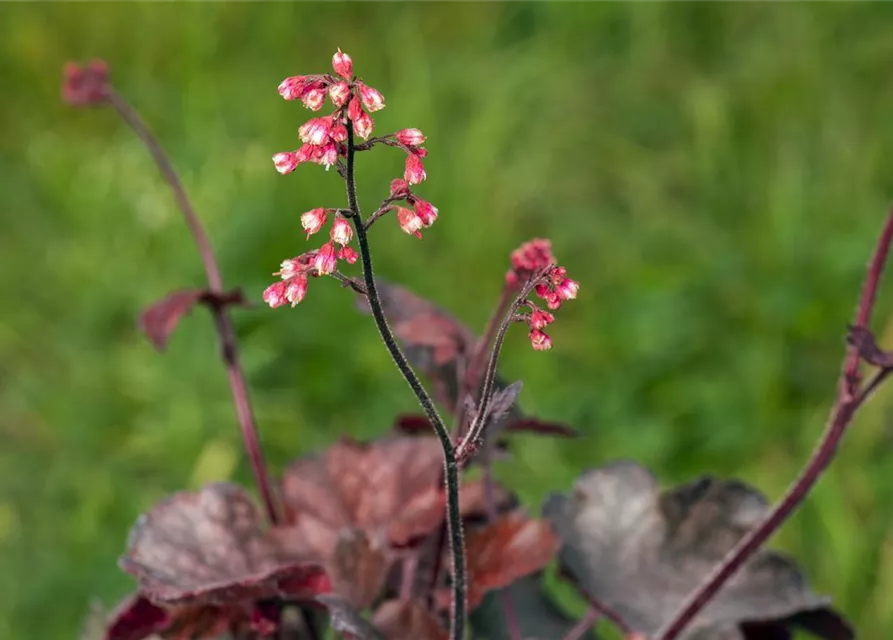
point(421, 216)
point(530, 259)
point(323, 137)
point(324, 142)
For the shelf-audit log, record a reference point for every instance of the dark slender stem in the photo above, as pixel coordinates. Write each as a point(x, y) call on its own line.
point(454, 516)
point(222, 322)
point(584, 625)
point(848, 402)
point(471, 438)
point(470, 380)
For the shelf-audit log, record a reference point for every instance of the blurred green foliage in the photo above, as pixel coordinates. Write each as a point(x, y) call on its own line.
point(713, 175)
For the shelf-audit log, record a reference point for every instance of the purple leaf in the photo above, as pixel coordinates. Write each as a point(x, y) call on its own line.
point(640, 551)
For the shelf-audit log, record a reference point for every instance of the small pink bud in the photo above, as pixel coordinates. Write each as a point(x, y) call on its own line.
point(539, 319)
point(568, 289)
point(354, 109)
point(296, 289)
point(314, 96)
point(553, 301)
point(409, 221)
point(410, 137)
point(316, 131)
point(339, 92)
point(347, 254)
point(399, 188)
point(342, 233)
point(286, 162)
point(291, 88)
point(313, 220)
point(274, 295)
point(339, 133)
point(363, 125)
point(540, 340)
point(326, 259)
point(85, 85)
point(371, 98)
point(426, 211)
point(414, 173)
point(542, 290)
point(343, 65)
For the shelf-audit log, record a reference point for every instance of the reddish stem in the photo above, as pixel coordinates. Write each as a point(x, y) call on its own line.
point(585, 624)
point(848, 402)
point(222, 322)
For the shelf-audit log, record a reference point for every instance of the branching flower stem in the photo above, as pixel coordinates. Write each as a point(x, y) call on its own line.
point(451, 466)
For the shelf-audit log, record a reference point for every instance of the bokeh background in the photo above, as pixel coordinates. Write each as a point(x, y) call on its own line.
point(714, 175)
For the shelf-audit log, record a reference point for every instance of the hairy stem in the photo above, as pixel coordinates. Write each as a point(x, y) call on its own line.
point(451, 466)
point(222, 322)
point(470, 379)
point(470, 439)
point(848, 402)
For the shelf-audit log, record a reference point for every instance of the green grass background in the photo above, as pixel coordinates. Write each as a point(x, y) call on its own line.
point(713, 175)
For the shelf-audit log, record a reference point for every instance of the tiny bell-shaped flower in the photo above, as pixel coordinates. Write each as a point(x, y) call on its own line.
point(410, 221)
point(296, 289)
point(567, 289)
point(339, 133)
point(347, 254)
point(414, 173)
point(363, 125)
point(399, 188)
point(339, 92)
point(286, 162)
point(316, 131)
point(343, 65)
point(372, 99)
point(342, 233)
point(314, 96)
point(326, 155)
point(290, 268)
point(539, 319)
point(410, 137)
point(274, 295)
point(354, 108)
point(291, 88)
point(426, 211)
point(540, 340)
point(326, 259)
point(313, 220)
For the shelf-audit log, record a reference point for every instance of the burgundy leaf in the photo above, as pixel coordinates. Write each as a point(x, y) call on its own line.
point(136, 618)
point(358, 570)
point(391, 489)
point(641, 551)
point(510, 548)
point(415, 424)
point(207, 547)
point(346, 620)
point(160, 319)
point(435, 342)
point(408, 620)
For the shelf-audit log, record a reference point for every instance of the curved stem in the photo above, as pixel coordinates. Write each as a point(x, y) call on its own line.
point(848, 402)
point(471, 438)
point(451, 466)
point(237, 383)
